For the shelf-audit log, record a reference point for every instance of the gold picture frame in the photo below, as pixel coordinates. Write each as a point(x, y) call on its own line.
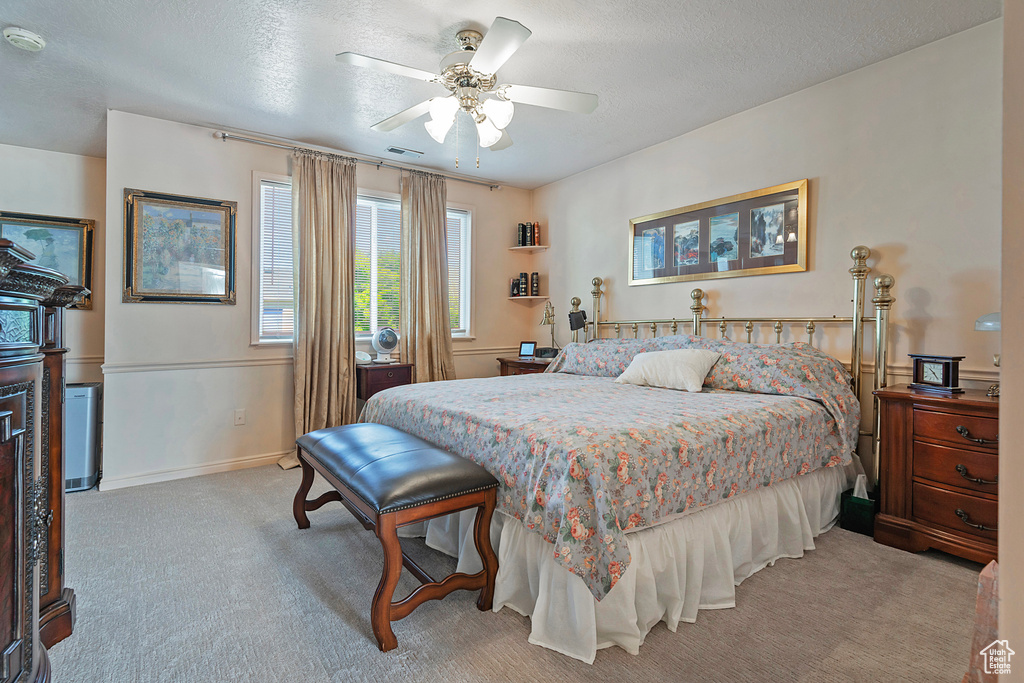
point(754, 233)
point(178, 249)
point(58, 243)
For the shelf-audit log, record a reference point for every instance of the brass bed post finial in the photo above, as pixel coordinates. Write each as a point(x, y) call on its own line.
point(596, 293)
point(859, 271)
point(698, 308)
point(575, 303)
point(883, 301)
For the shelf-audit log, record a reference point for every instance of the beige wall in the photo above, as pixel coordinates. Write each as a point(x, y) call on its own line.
point(55, 184)
point(1011, 474)
point(902, 156)
point(175, 373)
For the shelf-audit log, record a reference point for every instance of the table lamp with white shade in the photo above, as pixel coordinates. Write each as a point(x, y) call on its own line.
point(990, 322)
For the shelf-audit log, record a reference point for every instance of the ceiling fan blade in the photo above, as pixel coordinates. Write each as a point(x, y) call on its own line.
point(383, 65)
point(504, 142)
point(501, 42)
point(402, 117)
point(566, 100)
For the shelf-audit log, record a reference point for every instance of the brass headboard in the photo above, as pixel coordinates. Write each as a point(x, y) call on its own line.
point(883, 301)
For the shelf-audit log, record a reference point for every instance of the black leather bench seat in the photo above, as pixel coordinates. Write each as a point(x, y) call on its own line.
point(388, 479)
point(390, 470)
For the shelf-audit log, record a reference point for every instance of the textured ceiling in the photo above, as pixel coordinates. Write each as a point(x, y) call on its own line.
point(660, 67)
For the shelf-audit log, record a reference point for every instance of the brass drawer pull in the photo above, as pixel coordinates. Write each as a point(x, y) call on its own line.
point(964, 432)
point(391, 373)
point(966, 519)
point(962, 471)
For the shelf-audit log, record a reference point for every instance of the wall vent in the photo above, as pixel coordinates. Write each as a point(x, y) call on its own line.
point(401, 151)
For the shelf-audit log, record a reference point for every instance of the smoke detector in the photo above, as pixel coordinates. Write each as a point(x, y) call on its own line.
point(23, 39)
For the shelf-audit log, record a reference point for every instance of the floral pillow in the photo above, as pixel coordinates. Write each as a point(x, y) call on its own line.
point(611, 357)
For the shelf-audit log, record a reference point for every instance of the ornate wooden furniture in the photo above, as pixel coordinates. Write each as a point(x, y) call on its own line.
point(31, 465)
point(939, 476)
point(519, 366)
point(388, 479)
point(373, 378)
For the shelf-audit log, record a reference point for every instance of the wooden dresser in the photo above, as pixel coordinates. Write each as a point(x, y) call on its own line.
point(36, 609)
point(371, 378)
point(523, 366)
point(939, 472)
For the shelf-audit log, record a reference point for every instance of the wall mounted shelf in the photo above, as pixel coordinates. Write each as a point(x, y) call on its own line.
point(531, 249)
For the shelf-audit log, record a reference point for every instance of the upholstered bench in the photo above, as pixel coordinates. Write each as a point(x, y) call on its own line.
point(389, 479)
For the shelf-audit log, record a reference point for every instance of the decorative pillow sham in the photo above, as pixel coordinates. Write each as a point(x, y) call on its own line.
point(679, 369)
point(611, 357)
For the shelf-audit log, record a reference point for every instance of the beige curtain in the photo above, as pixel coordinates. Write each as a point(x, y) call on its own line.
point(424, 319)
point(324, 206)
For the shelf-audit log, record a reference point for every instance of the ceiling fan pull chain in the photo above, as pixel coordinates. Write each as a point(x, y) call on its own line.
point(456, 139)
point(478, 151)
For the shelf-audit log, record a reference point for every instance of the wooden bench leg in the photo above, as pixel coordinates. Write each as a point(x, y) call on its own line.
point(299, 504)
point(380, 610)
point(482, 540)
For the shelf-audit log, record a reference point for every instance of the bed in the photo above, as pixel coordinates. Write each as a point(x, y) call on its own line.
point(622, 506)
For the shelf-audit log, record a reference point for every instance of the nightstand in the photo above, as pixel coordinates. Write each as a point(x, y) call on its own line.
point(521, 366)
point(939, 467)
point(373, 378)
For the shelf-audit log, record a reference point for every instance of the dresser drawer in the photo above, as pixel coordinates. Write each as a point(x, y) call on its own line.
point(939, 506)
point(940, 463)
point(520, 370)
point(930, 424)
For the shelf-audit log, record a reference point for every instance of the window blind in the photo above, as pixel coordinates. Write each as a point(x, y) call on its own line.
point(457, 225)
point(277, 287)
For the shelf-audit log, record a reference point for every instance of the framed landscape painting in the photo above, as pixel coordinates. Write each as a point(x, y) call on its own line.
point(755, 233)
point(61, 244)
point(178, 249)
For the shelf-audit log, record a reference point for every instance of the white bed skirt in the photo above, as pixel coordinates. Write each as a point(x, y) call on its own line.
point(677, 568)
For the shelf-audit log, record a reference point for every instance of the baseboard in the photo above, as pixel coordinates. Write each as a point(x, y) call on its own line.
point(109, 484)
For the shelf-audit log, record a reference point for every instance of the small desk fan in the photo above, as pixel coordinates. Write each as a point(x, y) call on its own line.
point(385, 340)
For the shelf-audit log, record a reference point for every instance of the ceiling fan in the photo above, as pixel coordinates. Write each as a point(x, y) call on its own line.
point(470, 75)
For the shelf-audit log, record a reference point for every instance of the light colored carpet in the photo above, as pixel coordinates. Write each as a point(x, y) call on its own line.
point(208, 579)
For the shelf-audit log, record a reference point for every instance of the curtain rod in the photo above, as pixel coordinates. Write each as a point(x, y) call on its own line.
point(373, 161)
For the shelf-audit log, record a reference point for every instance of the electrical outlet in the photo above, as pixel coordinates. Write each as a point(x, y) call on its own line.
point(239, 416)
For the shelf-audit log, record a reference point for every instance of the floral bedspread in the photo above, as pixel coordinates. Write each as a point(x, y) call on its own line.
point(582, 460)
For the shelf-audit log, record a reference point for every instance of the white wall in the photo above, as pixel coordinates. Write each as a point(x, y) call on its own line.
point(175, 373)
point(55, 184)
point(1011, 474)
point(902, 156)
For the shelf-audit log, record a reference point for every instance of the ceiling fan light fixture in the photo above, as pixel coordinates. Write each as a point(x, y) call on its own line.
point(487, 132)
point(443, 109)
point(439, 129)
point(499, 111)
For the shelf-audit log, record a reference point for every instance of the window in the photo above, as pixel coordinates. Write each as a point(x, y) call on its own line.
point(377, 264)
point(378, 240)
point(457, 223)
point(275, 315)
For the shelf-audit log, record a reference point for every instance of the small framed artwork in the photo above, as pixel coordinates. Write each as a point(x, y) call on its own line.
point(178, 249)
point(755, 233)
point(61, 244)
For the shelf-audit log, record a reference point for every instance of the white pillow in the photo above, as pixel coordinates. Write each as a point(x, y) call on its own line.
point(682, 369)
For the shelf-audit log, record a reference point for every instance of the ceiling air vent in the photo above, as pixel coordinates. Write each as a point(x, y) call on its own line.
point(401, 151)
